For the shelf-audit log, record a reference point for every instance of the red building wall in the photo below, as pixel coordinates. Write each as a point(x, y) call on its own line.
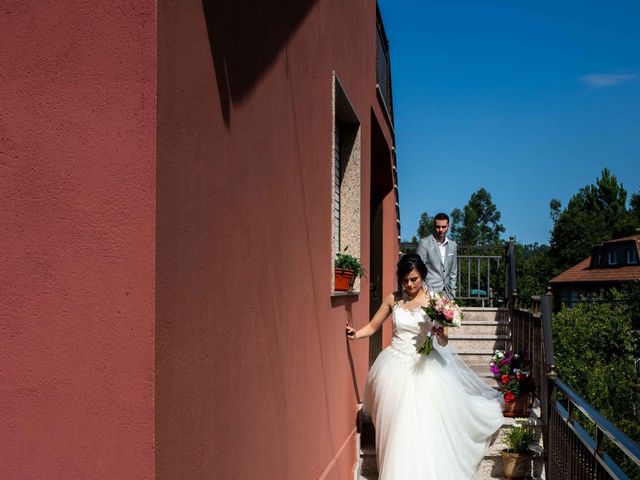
point(167, 308)
point(77, 176)
point(253, 372)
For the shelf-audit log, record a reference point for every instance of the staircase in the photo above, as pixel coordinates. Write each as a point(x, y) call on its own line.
point(483, 330)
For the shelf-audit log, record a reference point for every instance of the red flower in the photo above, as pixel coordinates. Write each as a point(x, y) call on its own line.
point(504, 379)
point(509, 397)
point(520, 376)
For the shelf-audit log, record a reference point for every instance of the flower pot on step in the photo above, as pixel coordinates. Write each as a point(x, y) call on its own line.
point(518, 407)
point(516, 465)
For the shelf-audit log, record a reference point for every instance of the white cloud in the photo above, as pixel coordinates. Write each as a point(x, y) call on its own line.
point(603, 80)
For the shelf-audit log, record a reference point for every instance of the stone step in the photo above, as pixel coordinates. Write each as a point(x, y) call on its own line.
point(482, 370)
point(481, 327)
point(478, 343)
point(368, 464)
point(485, 314)
point(471, 357)
point(491, 381)
point(454, 333)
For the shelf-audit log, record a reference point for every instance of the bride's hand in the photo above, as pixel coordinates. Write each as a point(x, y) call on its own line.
point(350, 331)
point(440, 334)
point(437, 331)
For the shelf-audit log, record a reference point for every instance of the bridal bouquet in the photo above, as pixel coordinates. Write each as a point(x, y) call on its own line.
point(443, 311)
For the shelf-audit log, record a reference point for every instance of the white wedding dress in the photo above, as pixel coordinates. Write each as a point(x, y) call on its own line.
point(434, 417)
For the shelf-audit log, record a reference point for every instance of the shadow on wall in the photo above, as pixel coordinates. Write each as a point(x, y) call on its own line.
point(245, 38)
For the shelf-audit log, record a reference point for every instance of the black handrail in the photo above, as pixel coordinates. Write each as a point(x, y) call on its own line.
point(620, 439)
point(570, 451)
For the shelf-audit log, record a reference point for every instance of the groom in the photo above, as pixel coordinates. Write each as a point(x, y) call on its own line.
point(440, 255)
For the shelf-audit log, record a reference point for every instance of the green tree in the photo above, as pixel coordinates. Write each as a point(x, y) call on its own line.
point(455, 225)
point(425, 226)
point(556, 208)
point(480, 221)
point(533, 269)
point(596, 213)
point(634, 210)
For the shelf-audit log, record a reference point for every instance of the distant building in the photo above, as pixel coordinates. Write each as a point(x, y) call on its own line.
point(611, 264)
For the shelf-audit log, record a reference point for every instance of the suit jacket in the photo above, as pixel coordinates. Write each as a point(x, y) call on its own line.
point(441, 277)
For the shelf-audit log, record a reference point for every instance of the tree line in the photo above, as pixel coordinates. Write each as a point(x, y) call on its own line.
point(596, 213)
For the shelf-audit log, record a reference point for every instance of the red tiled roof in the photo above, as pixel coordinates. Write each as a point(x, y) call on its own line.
point(582, 273)
point(624, 239)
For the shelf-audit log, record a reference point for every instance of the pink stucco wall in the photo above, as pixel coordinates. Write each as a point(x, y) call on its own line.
point(253, 372)
point(77, 176)
point(165, 277)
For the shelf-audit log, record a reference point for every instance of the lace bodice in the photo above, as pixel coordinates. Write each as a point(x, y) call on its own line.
point(409, 330)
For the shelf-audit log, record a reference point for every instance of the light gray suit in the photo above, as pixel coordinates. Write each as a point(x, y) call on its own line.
point(441, 277)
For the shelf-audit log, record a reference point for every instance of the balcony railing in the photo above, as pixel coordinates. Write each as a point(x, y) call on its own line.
point(571, 452)
point(480, 276)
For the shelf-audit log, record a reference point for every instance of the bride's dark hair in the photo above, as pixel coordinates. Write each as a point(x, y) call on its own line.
point(407, 263)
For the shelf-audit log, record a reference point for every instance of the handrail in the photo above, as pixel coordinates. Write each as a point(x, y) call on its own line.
point(620, 439)
point(570, 451)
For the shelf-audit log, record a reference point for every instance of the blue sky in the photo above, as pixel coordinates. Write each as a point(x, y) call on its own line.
point(528, 99)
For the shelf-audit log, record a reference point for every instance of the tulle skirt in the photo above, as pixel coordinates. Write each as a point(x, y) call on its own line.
point(434, 416)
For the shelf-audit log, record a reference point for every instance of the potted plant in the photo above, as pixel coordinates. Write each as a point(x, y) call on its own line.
point(347, 268)
point(512, 372)
point(516, 458)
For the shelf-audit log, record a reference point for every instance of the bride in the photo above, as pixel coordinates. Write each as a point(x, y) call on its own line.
point(434, 417)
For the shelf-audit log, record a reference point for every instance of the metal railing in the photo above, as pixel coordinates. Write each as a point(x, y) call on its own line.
point(571, 452)
point(575, 453)
point(480, 276)
point(477, 277)
point(526, 338)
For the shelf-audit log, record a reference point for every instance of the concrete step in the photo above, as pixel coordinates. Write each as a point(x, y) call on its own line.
point(481, 327)
point(478, 343)
point(371, 476)
point(471, 357)
point(368, 463)
point(481, 369)
point(485, 314)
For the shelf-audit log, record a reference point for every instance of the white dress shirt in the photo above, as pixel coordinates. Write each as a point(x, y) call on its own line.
point(442, 247)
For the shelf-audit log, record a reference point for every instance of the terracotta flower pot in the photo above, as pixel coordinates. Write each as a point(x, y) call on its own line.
point(516, 465)
point(518, 407)
point(342, 279)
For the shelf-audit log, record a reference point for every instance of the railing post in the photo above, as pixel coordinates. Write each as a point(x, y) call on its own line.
point(546, 311)
point(510, 272)
point(547, 385)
